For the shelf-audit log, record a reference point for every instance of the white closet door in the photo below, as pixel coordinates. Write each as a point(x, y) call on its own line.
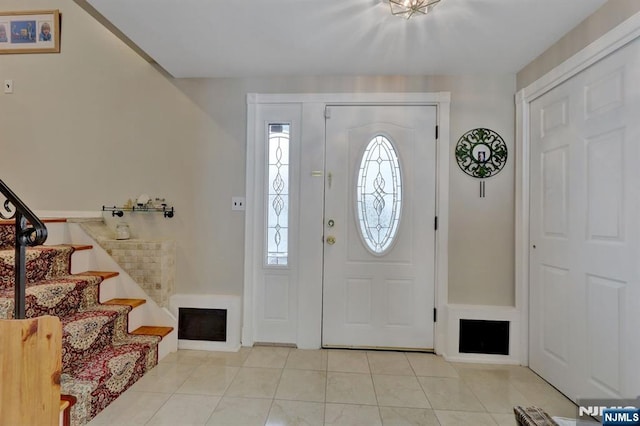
point(584, 273)
point(550, 281)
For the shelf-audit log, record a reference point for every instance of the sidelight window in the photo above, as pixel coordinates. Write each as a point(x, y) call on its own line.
point(278, 195)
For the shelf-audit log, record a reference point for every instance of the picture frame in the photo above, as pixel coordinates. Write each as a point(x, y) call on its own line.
point(35, 31)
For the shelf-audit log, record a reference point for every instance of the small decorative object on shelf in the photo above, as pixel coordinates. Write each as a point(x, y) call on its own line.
point(122, 231)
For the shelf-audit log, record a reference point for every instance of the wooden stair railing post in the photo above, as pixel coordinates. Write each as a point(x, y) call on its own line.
point(31, 366)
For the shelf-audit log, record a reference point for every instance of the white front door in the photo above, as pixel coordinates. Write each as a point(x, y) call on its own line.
point(584, 274)
point(380, 171)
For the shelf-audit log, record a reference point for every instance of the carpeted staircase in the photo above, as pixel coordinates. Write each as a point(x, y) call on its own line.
point(100, 359)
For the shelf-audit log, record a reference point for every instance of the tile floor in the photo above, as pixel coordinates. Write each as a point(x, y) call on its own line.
point(283, 386)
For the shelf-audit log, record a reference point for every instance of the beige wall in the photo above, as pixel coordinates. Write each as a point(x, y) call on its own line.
point(612, 13)
point(481, 230)
point(96, 124)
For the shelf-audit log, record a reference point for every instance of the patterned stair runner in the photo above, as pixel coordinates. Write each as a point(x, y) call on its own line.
point(100, 359)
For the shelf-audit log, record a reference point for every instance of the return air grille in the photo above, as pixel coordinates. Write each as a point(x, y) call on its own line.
point(484, 337)
point(202, 324)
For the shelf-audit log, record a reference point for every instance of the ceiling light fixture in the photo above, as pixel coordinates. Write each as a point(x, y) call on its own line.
point(407, 8)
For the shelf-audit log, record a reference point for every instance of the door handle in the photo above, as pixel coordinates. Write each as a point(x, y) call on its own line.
point(331, 240)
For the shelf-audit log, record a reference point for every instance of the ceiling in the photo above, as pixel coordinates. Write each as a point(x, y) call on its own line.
point(250, 38)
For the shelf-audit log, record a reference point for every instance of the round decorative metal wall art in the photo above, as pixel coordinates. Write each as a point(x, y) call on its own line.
point(481, 153)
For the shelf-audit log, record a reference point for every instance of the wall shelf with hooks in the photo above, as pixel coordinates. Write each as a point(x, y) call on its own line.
point(119, 211)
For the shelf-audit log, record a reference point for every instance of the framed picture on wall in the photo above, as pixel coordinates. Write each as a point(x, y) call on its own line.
point(35, 31)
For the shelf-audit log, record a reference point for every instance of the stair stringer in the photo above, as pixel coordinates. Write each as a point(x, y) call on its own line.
point(122, 286)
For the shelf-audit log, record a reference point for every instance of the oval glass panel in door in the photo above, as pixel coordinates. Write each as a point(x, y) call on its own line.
point(379, 195)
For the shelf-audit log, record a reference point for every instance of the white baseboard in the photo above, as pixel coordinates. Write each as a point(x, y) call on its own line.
point(482, 359)
point(168, 344)
point(200, 345)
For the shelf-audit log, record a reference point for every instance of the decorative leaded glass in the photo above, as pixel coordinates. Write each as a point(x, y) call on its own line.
point(379, 195)
point(278, 195)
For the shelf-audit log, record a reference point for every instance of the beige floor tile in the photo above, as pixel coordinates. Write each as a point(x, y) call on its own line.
point(351, 415)
point(209, 380)
point(483, 372)
point(394, 363)
point(186, 357)
point(545, 396)
point(255, 383)
point(399, 391)
point(240, 412)
point(231, 359)
point(400, 416)
point(348, 361)
point(538, 392)
point(497, 397)
point(186, 389)
point(164, 377)
point(464, 418)
point(267, 357)
point(523, 374)
point(302, 359)
point(503, 419)
point(132, 408)
point(447, 393)
point(296, 413)
point(185, 410)
point(562, 407)
point(431, 365)
point(302, 385)
point(350, 388)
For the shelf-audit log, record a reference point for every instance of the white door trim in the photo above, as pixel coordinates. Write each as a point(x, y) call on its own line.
point(309, 332)
point(613, 40)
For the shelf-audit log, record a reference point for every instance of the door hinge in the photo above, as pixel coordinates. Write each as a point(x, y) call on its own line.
point(436, 132)
point(327, 112)
point(435, 315)
point(435, 223)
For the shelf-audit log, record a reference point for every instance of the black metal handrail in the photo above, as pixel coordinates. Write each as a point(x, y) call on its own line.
point(32, 235)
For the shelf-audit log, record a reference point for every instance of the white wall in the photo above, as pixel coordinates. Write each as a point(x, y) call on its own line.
point(96, 124)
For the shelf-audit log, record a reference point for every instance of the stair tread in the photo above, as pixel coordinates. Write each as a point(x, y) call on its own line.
point(131, 302)
point(152, 331)
point(103, 274)
point(78, 247)
point(87, 365)
point(46, 247)
point(44, 220)
point(94, 311)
